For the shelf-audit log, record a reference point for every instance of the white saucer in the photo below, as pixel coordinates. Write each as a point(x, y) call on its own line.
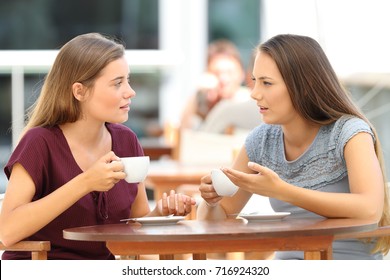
point(264, 216)
point(163, 220)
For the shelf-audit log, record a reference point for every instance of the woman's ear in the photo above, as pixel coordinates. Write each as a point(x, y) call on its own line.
point(79, 91)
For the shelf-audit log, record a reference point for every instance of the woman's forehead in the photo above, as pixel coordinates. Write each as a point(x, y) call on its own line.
point(265, 65)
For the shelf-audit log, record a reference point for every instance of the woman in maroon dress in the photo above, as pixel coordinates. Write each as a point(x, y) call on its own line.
point(66, 170)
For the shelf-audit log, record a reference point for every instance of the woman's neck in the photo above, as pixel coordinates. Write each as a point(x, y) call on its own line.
point(298, 137)
point(87, 143)
point(85, 134)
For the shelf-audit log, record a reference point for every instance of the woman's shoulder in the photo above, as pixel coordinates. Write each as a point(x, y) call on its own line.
point(263, 137)
point(43, 133)
point(346, 127)
point(351, 122)
point(35, 147)
point(336, 135)
point(42, 140)
point(266, 130)
point(40, 130)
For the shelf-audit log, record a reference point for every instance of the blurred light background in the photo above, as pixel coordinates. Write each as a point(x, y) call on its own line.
point(166, 42)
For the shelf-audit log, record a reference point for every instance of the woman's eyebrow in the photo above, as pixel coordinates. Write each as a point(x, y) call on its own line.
point(118, 78)
point(264, 78)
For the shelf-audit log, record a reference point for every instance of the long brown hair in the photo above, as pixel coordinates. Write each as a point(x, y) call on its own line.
point(79, 60)
point(318, 95)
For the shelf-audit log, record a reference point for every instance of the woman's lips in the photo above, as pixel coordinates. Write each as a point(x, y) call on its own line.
point(125, 107)
point(263, 109)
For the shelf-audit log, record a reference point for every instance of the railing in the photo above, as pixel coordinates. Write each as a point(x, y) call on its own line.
point(17, 63)
point(39, 61)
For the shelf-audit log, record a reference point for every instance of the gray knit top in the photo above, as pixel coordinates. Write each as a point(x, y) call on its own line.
point(321, 167)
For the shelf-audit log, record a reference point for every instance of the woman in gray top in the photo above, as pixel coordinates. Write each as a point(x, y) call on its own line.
point(315, 155)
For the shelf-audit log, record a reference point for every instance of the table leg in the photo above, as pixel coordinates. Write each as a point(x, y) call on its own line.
point(199, 256)
point(319, 255)
point(327, 254)
point(39, 255)
point(128, 257)
point(314, 247)
point(166, 257)
point(235, 255)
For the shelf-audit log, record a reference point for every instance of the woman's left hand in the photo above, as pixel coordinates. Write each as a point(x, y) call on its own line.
point(176, 204)
point(262, 183)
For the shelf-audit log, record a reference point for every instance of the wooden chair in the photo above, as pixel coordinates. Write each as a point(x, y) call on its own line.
point(38, 249)
point(213, 149)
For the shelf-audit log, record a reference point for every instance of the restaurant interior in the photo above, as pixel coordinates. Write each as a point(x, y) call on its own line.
point(166, 44)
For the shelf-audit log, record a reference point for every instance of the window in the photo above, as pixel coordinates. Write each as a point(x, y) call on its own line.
point(238, 21)
point(46, 25)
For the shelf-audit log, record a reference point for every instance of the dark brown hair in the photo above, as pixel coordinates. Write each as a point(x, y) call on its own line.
point(314, 88)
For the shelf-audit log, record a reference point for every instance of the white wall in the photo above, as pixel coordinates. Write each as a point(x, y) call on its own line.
point(354, 33)
point(183, 29)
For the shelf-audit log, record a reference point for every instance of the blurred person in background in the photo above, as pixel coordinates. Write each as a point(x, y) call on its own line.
point(220, 89)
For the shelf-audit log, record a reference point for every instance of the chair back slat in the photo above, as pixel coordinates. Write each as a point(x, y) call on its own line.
point(38, 249)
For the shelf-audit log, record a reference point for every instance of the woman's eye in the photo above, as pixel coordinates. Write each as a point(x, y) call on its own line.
point(267, 83)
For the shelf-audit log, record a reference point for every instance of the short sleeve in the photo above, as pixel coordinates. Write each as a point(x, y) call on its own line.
point(349, 128)
point(32, 152)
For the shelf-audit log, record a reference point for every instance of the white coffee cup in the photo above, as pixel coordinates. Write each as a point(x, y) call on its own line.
point(222, 184)
point(136, 168)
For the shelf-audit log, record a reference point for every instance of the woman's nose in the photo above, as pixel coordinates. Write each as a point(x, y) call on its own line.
point(256, 94)
point(130, 92)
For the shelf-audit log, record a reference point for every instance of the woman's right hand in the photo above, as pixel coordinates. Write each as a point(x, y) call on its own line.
point(105, 173)
point(208, 192)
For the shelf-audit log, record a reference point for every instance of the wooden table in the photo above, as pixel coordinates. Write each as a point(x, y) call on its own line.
point(156, 147)
point(165, 175)
point(314, 236)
